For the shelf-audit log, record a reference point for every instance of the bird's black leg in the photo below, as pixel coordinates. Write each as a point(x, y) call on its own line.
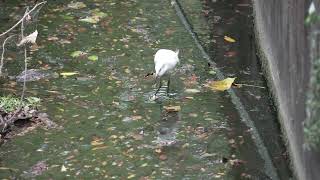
point(168, 88)
point(160, 84)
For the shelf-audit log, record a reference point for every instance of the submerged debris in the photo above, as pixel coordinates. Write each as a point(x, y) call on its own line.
point(36, 170)
point(35, 75)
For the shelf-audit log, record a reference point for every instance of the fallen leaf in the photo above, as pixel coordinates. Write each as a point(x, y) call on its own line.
point(212, 72)
point(135, 118)
point(68, 73)
point(91, 117)
point(193, 115)
point(230, 54)
point(236, 162)
point(96, 142)
point(131, 176)
point(221, 85)
point(188, 97)
point(92, 19)
point(64, 41)
point(169, 31)
point(191, 80)
point(137, 136)
point(158, 150)
point(99, 147)
point(229, 39)
point(52, 38)
point(63, 168)
point(192, 91)
point(77, 54)
point(31, 38)
point(95, 17)
point(93, 58)
point(77, 5)
point(127, 71)
point(172, 108)
point(163, 157)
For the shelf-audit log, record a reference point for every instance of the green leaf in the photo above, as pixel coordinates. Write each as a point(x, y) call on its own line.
point(77, 54)
point(93, 58)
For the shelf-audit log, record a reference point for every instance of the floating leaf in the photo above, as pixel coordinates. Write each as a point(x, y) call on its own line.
point(212, 72)
point(97, 142)
point(229, 39)
point(93, 58)
point(91, 117)
point(31, 38)
point(97, 15)
point(77, 5)
point(77, 54)
point(137, 136)
point(172, 108)
point(68, 73)
point(92, 19)
point(63, 168)
point(99, 147)
point(163, 157)
point(67, 17)
point(127, 71)
point(221, 85)
point(135, 118)
point(230, 54)
point(53, 38)
point(131, 176)
point(192, 91)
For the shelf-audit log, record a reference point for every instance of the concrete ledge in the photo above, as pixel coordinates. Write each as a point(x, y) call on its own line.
point(283, 46)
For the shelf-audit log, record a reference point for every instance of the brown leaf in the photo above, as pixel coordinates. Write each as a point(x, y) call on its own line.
point(230, 54)
point(163, 157)
point(169, 31)
point(172, 108)
point(137, 136)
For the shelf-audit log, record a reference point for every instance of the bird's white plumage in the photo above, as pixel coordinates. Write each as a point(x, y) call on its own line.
point(165, 60)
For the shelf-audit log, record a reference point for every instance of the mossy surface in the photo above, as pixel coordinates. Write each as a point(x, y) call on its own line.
point(10, 103)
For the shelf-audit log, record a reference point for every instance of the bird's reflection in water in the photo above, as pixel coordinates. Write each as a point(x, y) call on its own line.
point(168, 127)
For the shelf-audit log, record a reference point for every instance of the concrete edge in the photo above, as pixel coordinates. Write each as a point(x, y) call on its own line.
point(268, 69)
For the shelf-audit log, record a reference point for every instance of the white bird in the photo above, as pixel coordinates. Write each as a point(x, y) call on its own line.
point(165, 61)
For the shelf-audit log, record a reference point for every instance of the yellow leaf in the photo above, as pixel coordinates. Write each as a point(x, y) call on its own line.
point(131, 176)
point(135, 118)
point(229, 39)
point(96, 142)
point(221, 85)
point(68, 73)
point(127, 71)
point(99, 147)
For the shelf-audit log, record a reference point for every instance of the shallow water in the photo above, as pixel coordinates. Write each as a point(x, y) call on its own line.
point(111, 128)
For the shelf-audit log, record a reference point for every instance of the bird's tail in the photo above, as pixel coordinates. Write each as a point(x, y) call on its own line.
point(177, 52)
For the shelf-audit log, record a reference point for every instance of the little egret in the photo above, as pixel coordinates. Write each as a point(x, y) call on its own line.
point(165, 61)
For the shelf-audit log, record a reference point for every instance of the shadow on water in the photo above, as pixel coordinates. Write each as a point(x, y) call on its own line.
point(111, 129)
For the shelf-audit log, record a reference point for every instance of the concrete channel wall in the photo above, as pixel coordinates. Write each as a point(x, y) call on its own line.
point(284, 49)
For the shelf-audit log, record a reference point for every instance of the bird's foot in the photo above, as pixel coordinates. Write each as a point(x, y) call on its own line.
point(154, 97)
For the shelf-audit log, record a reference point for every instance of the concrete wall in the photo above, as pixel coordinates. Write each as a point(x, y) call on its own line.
point(283, 40)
